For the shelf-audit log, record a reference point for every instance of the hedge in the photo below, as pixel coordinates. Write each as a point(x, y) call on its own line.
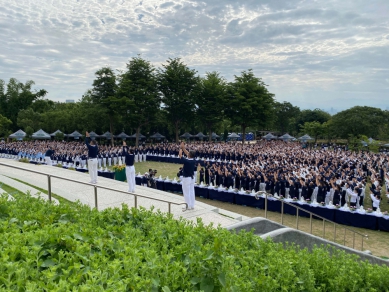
point(70, 247)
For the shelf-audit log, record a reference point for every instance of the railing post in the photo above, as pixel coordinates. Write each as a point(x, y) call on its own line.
point(297, 218)
point(49, 187)
point(96, 204)
point(136, 201)
point(265, 205)
point(310, 221)
point(282, 212)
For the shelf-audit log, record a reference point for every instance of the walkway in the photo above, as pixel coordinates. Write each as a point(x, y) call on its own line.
point(108, 199)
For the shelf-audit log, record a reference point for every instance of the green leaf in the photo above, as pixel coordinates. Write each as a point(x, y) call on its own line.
point(222, 279)
point(48, 263)
point(195, 280)
point(209, 256)
point(78, 236)
point(155, 282)
point(13, 220)
point(166, 289)
point(206, 284)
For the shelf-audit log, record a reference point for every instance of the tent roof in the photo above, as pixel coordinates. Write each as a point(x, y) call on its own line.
point(94, 135)
point(75, 134)
point(306, 137)
point(157, 136)
point(200, 135)
point(233, 135)
point(134, 136)
point(106, 135)
point(286, 137)
point(122, 135)
point(186, 135)
point(269, 136)
point(56, 132)
point(41, 135)
point(214, 135)
point(18, 134)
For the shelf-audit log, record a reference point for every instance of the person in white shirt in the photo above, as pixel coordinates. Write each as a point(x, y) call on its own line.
point(376, 201)
point(353, 196)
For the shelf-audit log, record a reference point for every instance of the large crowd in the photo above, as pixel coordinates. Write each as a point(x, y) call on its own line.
point(277, 167)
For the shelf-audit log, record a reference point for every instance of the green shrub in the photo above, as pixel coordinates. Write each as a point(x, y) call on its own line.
point(73, 248)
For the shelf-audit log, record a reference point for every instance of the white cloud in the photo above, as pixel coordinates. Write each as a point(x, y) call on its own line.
point(302, 49)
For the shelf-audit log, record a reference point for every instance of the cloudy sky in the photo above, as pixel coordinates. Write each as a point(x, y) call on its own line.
point(315, 54)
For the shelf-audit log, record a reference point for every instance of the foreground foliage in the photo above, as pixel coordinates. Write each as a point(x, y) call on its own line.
point(72, 248)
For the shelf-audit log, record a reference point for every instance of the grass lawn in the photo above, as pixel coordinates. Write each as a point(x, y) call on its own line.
point(164, 169)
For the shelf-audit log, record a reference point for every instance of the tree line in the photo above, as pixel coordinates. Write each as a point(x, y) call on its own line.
point(174, 99)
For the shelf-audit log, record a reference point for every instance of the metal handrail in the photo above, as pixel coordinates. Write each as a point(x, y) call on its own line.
point(311, 214)
point(49, 176)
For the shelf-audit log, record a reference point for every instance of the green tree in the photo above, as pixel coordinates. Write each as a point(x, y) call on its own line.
point(104, 94)
point(360, 120)
point(211, 101)
point(314, 129)
point(29, 131)
point(316, 115)
point(28, 117)
point(179, 86)
point(285, 113)
point(17, 97)
point(138, 87)
point(43, 105)
point(249, 102)
point(59, 137)
point(4, 124)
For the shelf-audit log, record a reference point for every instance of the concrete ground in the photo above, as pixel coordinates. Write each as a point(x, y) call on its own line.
point(114, 197)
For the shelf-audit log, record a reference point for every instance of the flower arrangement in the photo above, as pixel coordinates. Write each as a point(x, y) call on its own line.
point(353, 208)
point(59, 165)
point(308, 201)
point(369, 210)
point(282, 197)
point(25, 160)
point(118, 167)
point(337, 206)
point(322, 203)
point(295, 199)
point(385, 213)
point(248, 192)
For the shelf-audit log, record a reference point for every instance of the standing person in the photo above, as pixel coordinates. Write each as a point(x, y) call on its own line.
point(93, 150)
point(48, 154)
point(376, 200)
point(188, 176)
point(130, 168)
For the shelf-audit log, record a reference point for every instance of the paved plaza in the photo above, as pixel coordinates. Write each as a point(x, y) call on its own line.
point(84, 192)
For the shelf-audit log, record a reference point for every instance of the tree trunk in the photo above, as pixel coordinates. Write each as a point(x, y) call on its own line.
point(243, 133)
point(209, 134)
point(111, 129)
point(137, 137)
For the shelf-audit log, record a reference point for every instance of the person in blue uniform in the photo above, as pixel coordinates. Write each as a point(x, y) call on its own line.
point(48, 154)
point(93, 151)
point(130, 168)
point(188, 178)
